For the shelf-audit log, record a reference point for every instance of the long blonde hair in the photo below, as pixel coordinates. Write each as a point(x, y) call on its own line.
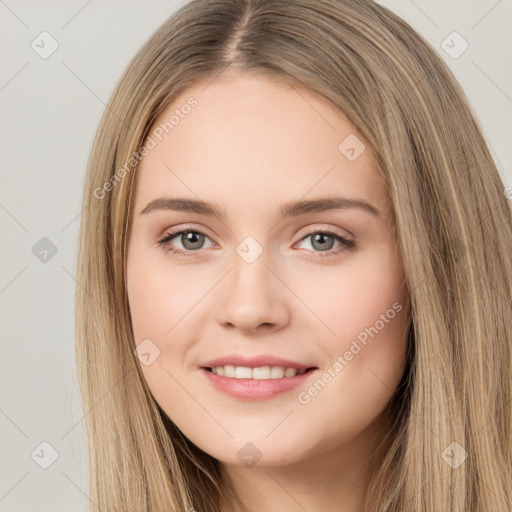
point(454, 232)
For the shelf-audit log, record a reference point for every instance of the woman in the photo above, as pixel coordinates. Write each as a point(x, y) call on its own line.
point(230, 358)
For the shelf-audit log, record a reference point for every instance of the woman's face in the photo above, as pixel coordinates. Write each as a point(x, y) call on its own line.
point(293, 293)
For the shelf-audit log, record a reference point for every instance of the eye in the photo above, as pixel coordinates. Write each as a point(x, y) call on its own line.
point(191, 240)
point(320, 241)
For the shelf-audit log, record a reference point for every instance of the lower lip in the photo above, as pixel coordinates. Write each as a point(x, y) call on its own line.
point(254, 389)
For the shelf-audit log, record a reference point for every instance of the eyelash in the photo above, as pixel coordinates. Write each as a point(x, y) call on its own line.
point(346, 244)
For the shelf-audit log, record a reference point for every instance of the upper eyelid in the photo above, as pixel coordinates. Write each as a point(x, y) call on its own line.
point(172, 233)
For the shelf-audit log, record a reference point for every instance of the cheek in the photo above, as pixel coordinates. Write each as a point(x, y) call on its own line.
point(362, 306)
point(366, 290)
point(167, 304)
point(158, 298)
point(159, 302)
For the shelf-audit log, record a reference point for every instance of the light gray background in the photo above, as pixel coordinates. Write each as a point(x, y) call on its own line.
point(50, 111)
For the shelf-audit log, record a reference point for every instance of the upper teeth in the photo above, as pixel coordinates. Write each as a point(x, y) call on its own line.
point(262, 372)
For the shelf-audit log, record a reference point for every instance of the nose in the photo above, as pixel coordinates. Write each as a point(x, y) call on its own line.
point(253, 298)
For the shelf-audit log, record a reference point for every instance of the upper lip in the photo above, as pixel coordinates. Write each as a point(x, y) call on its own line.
point(254, 361)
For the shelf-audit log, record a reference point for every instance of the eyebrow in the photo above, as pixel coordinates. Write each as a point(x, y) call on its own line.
point(292, 209)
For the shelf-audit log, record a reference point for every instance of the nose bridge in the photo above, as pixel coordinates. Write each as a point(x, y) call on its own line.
point(252, 295)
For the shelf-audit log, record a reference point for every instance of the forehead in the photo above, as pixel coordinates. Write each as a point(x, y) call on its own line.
point(252, 137)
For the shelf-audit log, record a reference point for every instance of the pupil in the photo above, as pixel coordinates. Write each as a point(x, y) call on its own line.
point(321, 237)
point(193, 238)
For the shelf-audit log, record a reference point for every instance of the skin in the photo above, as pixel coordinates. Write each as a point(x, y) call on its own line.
point(252, 144)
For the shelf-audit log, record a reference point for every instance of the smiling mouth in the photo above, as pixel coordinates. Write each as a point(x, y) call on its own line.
point(257, 373)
